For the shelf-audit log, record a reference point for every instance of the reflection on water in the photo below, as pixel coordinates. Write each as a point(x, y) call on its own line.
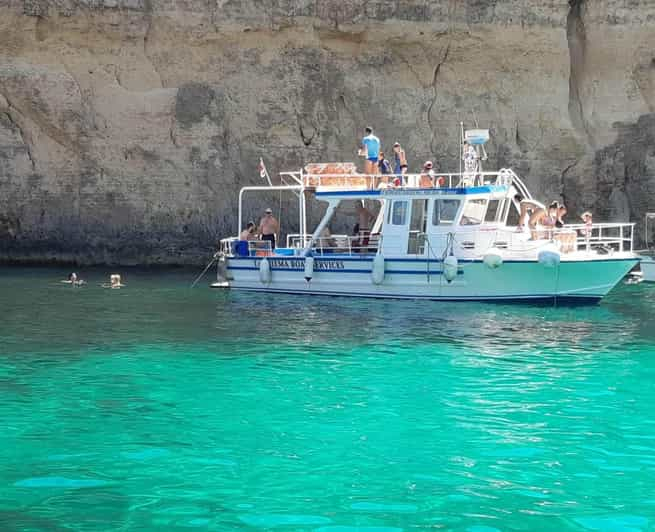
point(168, 408)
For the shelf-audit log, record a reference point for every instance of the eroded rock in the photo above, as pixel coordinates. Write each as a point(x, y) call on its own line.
point(127, 127)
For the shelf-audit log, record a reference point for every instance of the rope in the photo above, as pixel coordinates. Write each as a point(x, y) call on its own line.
point(216, 255)
point(559, 265)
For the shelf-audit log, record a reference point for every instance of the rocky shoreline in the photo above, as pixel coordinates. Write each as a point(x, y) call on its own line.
point(127, 127)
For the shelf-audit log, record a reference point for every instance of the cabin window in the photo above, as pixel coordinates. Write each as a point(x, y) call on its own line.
point(512, 213)
point(398, 213)
point(473, 213)
point(419, 214)
point(492, 210)
point(445, 211)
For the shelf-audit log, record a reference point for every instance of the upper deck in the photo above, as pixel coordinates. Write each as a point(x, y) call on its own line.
point(338, 179)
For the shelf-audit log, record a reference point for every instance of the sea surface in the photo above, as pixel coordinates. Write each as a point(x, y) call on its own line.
point(160, 407)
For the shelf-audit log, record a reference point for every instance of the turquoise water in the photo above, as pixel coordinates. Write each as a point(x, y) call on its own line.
point(156, 407)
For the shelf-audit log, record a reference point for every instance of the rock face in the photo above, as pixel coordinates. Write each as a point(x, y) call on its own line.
point(127, 127)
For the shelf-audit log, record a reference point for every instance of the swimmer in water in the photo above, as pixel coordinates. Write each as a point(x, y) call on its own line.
point(73, 280)
point(114, 281)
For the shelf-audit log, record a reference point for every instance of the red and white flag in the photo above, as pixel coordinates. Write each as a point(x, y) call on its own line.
point(262, 169)
point(263, 173)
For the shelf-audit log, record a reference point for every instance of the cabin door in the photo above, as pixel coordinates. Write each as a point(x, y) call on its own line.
point(417, 227)
point(396, 226)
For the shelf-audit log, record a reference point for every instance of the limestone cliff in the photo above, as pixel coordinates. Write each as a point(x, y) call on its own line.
point(127, 127)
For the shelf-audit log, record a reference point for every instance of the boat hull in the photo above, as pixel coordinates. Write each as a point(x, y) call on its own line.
point(647, 265)
point(574, 281)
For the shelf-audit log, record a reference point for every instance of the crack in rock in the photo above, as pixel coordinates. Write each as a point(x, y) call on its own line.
point(24, 137)
point(147, 5)
point(562, 177)
point(435, 80)
point(577, 41)
point(307, 141)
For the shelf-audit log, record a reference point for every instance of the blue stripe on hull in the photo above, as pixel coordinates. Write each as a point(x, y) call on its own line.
point(430, 261)
point(321, 270)
point(528, 299)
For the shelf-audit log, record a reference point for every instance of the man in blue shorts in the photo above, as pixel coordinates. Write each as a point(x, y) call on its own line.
point(371, 147)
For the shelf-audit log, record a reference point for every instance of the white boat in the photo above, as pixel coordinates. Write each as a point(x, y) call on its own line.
point(647, 262)
point(447, 237)
point(647, 265)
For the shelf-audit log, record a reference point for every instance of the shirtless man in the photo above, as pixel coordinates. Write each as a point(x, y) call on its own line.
point(249, 232)
point(269, 227)
point(364, 218)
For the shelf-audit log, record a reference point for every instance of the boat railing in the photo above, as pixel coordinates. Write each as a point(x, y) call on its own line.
point(600, 236)
point(296, 243)
point(604, 238)
point(473, 241)
point(246, 248)
point(344, 176)
point(227, 245)
point(365, 242)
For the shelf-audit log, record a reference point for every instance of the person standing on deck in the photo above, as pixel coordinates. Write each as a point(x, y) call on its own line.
point(269, 227)
point(399, 161)
point(384, 165)
point(364, 220)
point(471, 165)
point(470, 158)
point(528, 208)
point(370, 147)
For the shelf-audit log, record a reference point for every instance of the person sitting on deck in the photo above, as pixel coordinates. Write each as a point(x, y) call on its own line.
point(429, 178)
point(249, 232)
point(269, 227)
point(427, 175)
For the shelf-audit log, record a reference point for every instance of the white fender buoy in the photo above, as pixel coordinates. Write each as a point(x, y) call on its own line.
point(493, 258)
point(450, 266)
point(264, 271)
point(549, 256)
point(309, 268)
point(377, 271)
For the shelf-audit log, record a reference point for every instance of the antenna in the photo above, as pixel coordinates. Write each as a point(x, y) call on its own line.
point(461, 146)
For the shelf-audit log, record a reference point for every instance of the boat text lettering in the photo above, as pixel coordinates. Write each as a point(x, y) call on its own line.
point(298, 264)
